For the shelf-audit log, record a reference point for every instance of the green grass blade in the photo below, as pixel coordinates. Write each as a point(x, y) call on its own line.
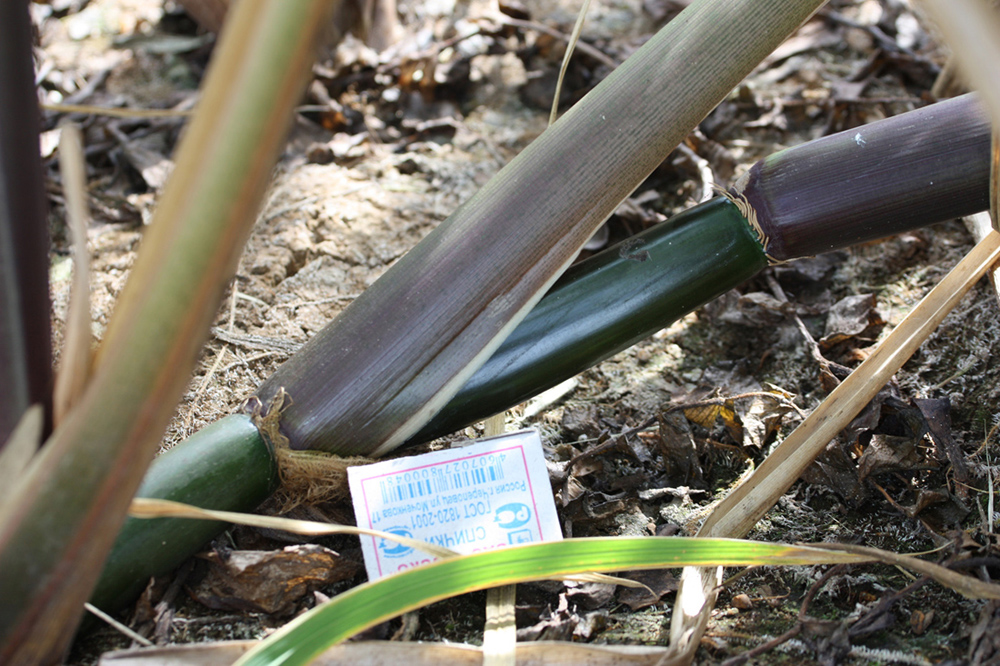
point(371, 603)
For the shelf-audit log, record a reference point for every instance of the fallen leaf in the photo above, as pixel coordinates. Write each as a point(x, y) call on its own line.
point(890, 454)
point(657, 582)
point(984, 642)
point(849, 318)
point(937, 415)
point(564, 624)
point(270, 581)
point(921, 621)
point(742, 602)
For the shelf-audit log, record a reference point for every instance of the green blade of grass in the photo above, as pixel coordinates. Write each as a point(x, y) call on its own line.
point(371, 603)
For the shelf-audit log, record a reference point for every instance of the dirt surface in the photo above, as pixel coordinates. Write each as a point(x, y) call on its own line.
point(388, 145)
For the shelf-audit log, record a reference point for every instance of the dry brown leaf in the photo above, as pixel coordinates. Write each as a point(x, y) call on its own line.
point(270, 581)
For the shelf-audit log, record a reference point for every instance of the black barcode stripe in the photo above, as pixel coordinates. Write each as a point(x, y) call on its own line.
point(394, 490)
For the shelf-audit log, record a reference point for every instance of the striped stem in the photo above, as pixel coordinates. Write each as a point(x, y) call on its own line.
point(371, 379)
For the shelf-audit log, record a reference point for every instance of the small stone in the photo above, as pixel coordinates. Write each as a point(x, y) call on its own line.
point(742, 602)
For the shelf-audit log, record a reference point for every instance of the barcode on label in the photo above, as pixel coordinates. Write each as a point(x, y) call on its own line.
point(404, 487)
point(391, 492)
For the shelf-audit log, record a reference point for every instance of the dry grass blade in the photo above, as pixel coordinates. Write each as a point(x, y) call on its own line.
point(500, 633)
point(500, 636)
point(570, 47)
point(739, 511)
point(157, 508)
point(980, 225)
point(118, 626)
point(995, 178)
point(965, 585)
point(743, 507)
point(116, 112)
point(74, 366)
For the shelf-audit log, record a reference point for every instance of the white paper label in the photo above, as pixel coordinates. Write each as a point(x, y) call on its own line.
point(492, 494)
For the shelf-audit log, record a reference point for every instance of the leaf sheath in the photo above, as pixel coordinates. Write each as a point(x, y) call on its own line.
point(397, 354)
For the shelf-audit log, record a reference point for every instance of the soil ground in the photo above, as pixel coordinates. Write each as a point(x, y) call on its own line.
point(386, 147)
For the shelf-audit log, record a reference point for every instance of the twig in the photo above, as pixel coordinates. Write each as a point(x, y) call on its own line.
point(705, 174)
point(826, 366)
point(816, 587)
point(320, 301)
point(864, 624)
point(77, 359)
point(138, 638)
point(884, 40)
point(257, 342)
point(570, 45)
point(584, 47)
point(796, 629)
point(722, 400)
point(764, 647)
point(246, 361)
point(117, 112)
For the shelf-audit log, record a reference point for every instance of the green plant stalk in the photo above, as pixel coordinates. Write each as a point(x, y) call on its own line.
point(366, 605)
point(25, 338)
point(630, 291)
point(397, 354)
point(59, 527)
point(227, 466)
point(608, 303)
